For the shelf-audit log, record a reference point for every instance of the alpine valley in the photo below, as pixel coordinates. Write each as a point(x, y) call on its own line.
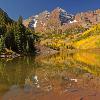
point(59, 29)
point(56, 30)
point(52, 54)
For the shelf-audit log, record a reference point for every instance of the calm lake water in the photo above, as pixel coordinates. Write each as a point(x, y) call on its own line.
point(36, 77)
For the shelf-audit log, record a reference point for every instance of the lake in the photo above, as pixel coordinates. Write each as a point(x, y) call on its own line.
point(63, 76)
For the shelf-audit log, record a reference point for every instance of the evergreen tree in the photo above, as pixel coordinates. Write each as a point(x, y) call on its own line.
point(1, 43)
point(15, 36)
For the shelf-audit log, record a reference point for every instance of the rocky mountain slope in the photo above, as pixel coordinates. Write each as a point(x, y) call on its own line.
point(88, 18)
point(4, 16)
point(59, 20)
point(49, 20)
point(63, 30)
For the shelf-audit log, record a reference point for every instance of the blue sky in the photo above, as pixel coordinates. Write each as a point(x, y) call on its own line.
point(26, 8)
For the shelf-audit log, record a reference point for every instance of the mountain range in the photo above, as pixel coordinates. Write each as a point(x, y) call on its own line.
point(59, 19)
point(55, 30)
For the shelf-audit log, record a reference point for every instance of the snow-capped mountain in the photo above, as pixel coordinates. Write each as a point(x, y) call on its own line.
point(31, 22)
point(58, 18)
point(41, 21)
point(37, 20)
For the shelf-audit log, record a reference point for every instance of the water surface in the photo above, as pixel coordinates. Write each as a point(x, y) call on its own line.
point(58, 76)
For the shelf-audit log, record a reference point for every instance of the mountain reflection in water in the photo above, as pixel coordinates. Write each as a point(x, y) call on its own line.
point(57, 74)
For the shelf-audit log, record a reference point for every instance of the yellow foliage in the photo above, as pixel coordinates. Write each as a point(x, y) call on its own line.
point(93, 29)
point(88, 43)
point(88, 58)
point(92, 61)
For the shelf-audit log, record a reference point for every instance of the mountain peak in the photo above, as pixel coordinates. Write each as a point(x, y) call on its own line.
point(42, 19)
point(59, 17)
point(60, 9)
point(46, 11)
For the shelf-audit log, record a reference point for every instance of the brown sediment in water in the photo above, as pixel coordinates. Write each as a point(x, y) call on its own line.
point(58, 77)
point(55, 89)
point(78, 94)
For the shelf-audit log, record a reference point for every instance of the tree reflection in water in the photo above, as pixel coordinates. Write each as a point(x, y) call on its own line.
point(57, 73)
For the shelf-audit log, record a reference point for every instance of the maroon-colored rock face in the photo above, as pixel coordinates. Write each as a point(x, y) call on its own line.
point(59, 19)
point(41, 21)
point(88, 18)
point(46, 21)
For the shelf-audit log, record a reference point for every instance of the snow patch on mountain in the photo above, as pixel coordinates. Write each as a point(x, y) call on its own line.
point(74, 21)
point(35, 22)
point(42, 18)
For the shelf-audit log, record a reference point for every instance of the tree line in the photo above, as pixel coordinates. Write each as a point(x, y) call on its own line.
point(15, 36)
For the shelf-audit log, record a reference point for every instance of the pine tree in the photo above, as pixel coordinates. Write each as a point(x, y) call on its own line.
point(1, 43)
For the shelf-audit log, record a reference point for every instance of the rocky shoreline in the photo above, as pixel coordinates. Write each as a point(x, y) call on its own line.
point(9, 55)
point(43, 50)
point(40, 50)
